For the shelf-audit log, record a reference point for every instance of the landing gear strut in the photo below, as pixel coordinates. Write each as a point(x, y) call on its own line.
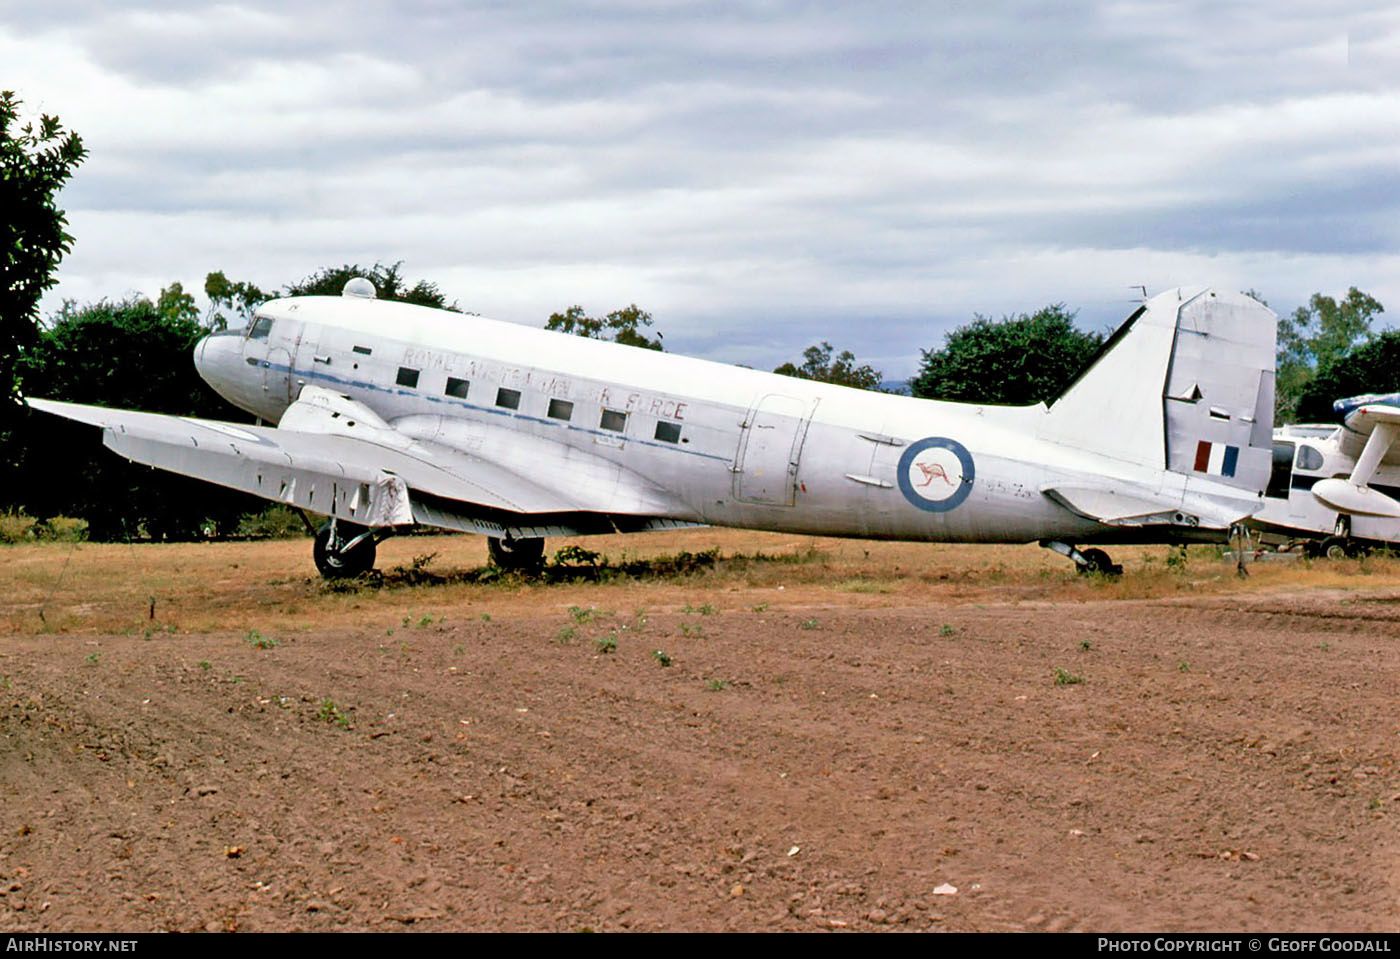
point(1088, 561)
point(516, 555)
point(1339, 545)
point(343, 550)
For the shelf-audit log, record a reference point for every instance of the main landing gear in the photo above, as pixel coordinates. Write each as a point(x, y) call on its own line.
point(516, 555)
point(1339, 545)
point(1333, 547)
point(1088, 561)
point(344, 550)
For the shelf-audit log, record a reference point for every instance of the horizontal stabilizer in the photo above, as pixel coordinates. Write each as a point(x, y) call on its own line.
point(1123, 504)
point(1105, 506)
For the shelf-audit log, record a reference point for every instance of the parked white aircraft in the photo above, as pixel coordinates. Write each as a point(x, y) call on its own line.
point(1335, 487)
point(390, 414)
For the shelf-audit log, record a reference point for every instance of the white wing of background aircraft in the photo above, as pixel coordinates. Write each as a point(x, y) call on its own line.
point(1370, 426)
point(390, 414)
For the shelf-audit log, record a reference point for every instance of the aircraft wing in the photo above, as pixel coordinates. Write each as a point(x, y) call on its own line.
point(1360, 415)
point(1370, 428)
point(334, 456)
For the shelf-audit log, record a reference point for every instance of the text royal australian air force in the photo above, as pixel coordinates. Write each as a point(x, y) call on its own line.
point(546, 383)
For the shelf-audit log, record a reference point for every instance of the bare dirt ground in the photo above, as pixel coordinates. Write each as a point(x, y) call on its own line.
point(202, 737)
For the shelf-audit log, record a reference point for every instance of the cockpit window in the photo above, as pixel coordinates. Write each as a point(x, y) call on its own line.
point(1309, 459)
point(262, 325)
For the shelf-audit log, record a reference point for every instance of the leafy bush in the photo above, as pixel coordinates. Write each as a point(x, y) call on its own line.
point(64, 529)
point(275, 522)
point(16, 527)
point(19, 527)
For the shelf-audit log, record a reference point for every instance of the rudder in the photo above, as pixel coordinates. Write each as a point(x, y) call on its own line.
point(1185, 384)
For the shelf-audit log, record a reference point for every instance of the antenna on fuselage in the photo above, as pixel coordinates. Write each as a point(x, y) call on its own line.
point(359, 286)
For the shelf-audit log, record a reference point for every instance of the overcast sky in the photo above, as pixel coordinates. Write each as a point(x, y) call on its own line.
point(760, 176)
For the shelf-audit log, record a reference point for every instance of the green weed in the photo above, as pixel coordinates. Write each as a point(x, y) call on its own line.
point(258, 641)
point(330, 712)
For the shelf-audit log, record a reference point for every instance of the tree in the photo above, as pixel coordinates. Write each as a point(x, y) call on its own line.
point(621, 326)
point(1315, 337)
point(128, 354)
point(818, 365)
point(1015, 361)
point(388, 282)
point(1372, 367)
point(175, 304)
point(34, 165)
point(229, 300)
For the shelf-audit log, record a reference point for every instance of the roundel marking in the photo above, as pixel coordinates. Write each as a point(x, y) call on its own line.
point(936, 474)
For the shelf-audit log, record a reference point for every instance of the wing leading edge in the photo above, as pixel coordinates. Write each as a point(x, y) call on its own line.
point(334, 456)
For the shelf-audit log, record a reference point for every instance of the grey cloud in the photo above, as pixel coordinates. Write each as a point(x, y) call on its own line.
point(733, 158)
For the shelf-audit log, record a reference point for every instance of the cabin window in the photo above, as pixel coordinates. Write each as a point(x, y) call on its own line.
point(407, 377)
point(509, 399)
point(1280, 477)
point(457, 388)
point(613, 420)
point(668, 432)
point(1309, 459)
point(561, 410)
point(363, 350)
point(262, 326)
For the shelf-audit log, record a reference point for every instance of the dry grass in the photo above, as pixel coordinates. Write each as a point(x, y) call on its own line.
point(115, 588)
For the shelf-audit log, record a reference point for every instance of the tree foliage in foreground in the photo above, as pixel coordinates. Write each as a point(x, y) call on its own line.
point(1014, 361)
point(35, 162)
point(817, 364)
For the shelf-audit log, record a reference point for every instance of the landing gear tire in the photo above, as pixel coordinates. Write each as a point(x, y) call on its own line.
point(516, 555)
point(1338, 547)
point(1097, 561)
point(334, 560)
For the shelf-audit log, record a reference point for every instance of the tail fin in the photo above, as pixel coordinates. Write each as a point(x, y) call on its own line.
point(1185, 384)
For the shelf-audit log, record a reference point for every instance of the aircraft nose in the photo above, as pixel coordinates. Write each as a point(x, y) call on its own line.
point(216, 357)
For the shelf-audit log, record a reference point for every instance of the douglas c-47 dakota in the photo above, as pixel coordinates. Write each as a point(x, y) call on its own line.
point(390, 415)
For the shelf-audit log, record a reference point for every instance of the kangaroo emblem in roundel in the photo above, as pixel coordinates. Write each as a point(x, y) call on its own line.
point(936, 474)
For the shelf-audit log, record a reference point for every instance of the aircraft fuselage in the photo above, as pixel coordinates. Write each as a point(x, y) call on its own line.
point(677, 438)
